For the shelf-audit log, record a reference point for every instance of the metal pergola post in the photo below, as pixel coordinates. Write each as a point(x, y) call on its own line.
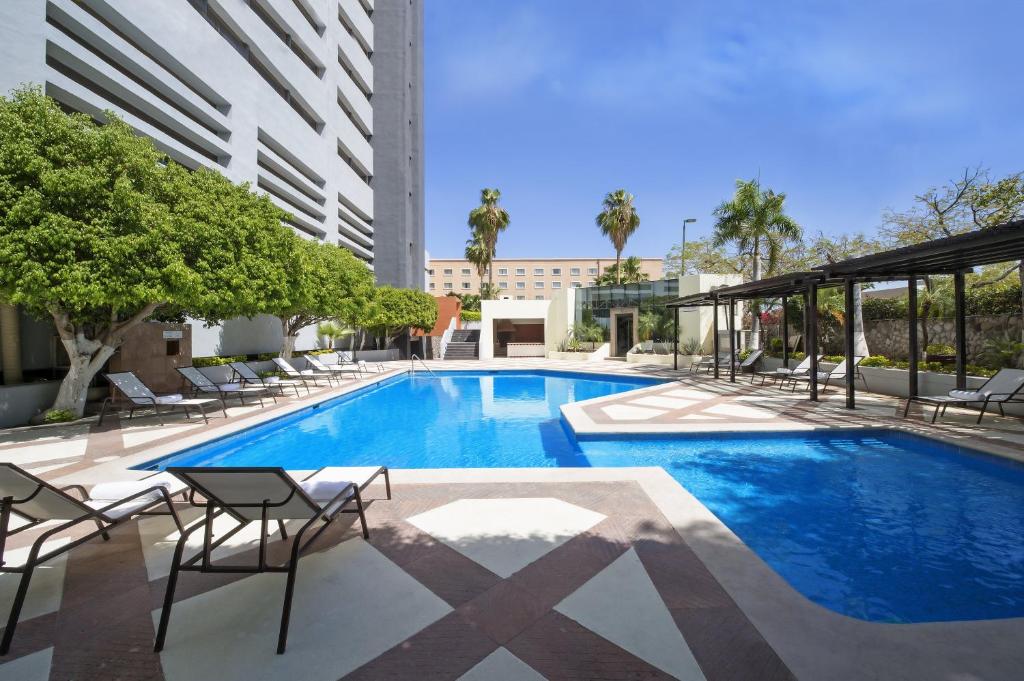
point(915, 351)
point(675, 339)
point(961, 330)
point(785, 333)
point(848, 343)
point(732, 340)
point(812, 336)
point(714, 337)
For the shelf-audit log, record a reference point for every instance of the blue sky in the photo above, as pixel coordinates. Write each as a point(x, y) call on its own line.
point(848, 107)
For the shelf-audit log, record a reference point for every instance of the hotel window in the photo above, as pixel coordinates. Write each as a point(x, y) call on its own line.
point(538, 297)
point(502, 284)
point(466, 285)
point(577, 284)
point(520, 271)
point(448, 285)
point(538, 284)
point(466, 271)
point(574, 271)
point(447, 272)
point(556, 284)
point(431, 271)
point(556, 271)
point(591, 283)
point(520, 284)
point(502, 271)
point(432, 286)
point(538, 271)
point(520, 297)
point(591, 270)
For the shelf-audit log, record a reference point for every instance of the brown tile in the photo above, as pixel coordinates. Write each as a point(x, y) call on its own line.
point(444, 651)
point(451, 575)
point(562, 650)
point(503, 611)
point(401, 542)
point(680, 577)
point(728, 647)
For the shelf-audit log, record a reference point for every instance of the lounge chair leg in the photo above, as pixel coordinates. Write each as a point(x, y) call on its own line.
point(280, 526)
point(103, 410)
point(289, 591)
point(19, 601)
point(906, 409)
point(936, 414)
point(1000, 405)
point(103, 532)
point(984, 407)
point(387, 482)
point(362, 515)
point(172, 583)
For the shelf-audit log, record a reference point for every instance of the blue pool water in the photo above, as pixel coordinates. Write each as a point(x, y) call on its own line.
point(877, 525)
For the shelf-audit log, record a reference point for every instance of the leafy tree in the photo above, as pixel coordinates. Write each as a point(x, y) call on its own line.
point(480, 256)
point(755, 221)
point(627, 272)
point(396, 310)
point(489, 291)
point(487, 221)
point(324, 282)
point(332, 331)
point(703, 257)
point(97, 234)
point(618, 220)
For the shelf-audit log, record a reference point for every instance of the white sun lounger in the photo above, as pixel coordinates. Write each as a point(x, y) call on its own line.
point(36, 501)
point(263, 495)
point(800, 369)
point(333, 368)
point(139, 396)
point(305, 375)
point(248, 376)
point(826, 377)
point(202, 384)
point(1006, 387)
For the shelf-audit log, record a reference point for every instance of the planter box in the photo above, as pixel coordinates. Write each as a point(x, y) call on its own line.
point(597, 355)
point(661, 360)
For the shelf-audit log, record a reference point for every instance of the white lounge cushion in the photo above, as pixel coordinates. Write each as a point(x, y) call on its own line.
point(126, 509)
point(230, 387)
point(112, 491)
point(169, 399)
point(967, 395)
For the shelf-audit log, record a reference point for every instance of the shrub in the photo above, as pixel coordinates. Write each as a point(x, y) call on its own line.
point(691, 346)
point(199, 362)
point(882, 362)
point(833, 359)
point(876, 361)
point(940, 349)
point(59, 416)
point(470, 315)
point(266, 356)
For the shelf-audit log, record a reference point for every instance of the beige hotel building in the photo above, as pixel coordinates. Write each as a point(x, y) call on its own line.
point(528, 278)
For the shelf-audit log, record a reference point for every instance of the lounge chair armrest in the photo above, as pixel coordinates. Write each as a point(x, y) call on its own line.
point(77, 488)
point(158, 488)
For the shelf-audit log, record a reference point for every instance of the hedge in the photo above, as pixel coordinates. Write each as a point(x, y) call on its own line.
point(199, 362)
point(470, 315)
point(991, 300)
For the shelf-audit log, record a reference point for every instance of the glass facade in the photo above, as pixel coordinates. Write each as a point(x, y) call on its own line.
point(594, 305)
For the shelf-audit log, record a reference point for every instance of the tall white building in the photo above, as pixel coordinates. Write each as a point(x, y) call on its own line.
point(279, 93)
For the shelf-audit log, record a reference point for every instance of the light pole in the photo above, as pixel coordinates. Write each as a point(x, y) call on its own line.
point(682, 253)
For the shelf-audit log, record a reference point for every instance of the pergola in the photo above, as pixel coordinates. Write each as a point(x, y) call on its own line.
point(953, 255)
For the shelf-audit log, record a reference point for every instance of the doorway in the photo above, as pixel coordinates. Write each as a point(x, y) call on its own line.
point(623, 334)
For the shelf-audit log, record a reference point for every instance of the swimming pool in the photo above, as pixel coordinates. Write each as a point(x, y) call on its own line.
point(878, 525)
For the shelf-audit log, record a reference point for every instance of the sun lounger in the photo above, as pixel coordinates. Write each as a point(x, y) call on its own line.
point(826, 377)
point(800, 369)
point(306, 375)
point(750, 361)
point(346, 358)
point(708, 362)
point(250, 377)
point(201, 383)
point(36, 501)
point(139, 397)
point(1006, 387)
point(317, 365)
point(264, 495)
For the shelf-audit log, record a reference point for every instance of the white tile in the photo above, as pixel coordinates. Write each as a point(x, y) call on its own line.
point(740, 411)
point(47, 585)
point(351, 604)
point(506, 535)
point(134, 436)
point(501, 665)
point(625, 412)
point(666, 402)
point(32, 667)
point(688, 394)
point(621, 604)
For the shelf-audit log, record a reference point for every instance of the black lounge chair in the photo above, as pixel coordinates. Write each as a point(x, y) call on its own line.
point(201, 383)
point(139, 396)
point(801, 369)
point(306, 376)
point(263, 495)
point(708, 362)
point(36, 501)
point(317, 365)
point(826, 377)
point(250, 377)
point(1006, 387)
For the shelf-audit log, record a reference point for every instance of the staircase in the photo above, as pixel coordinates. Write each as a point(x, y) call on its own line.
point(463, 344)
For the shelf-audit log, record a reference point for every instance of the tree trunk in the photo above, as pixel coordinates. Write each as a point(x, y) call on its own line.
point(860, 339)
point(618, 273)
point(754, 341)
point(10, 344)
point(288, 338)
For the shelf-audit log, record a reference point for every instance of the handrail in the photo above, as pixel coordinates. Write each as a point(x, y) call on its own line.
point(446, 337)
point(412, 366)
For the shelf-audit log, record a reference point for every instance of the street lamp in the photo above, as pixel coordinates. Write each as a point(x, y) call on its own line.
point(682, 253)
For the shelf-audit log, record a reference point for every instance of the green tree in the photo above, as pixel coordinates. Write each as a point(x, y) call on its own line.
point(618, 220)
point(479, 255)
point(324, 282)
point(98, 234)
point(755, 222)
point(487, 221)
point(702, 257)
point(396, 310)
point(628, 272)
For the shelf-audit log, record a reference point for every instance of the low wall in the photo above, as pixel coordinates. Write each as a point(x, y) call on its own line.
point(19, 404)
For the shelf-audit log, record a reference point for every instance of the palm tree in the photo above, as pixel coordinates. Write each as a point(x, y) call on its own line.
point(754, 220)
point(618, 221)
point(629, 273)
point(487, 221)
point(477, 253)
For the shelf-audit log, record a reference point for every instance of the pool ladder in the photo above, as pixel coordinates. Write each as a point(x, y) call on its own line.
point(412, 366)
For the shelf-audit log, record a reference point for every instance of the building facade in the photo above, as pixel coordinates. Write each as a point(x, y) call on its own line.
point(278, 93)
point(527, 278)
